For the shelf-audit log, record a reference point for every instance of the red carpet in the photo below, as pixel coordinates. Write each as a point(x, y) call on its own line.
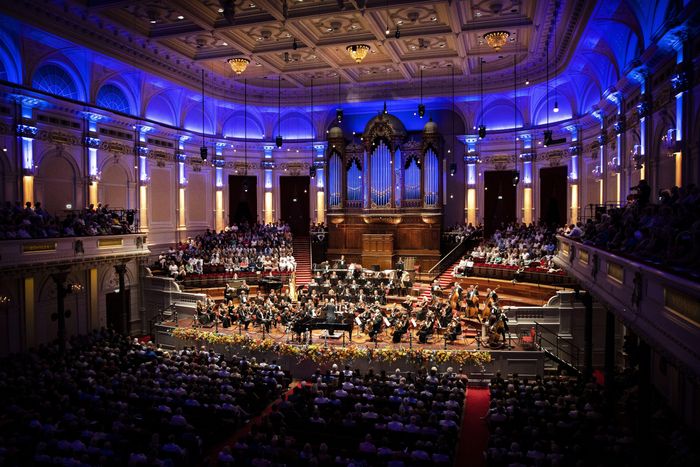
point(474, 436)
point(244, 430)
point(302, 255)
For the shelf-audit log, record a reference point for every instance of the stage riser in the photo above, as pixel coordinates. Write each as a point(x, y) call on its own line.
point(525, 363)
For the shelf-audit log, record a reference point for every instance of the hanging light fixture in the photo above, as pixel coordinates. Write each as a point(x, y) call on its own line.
point(238, 64)
point(245, 135)
point(203, 150)
point(421, 107)
point(339, 110)
point(312, 168)
point(358, 52)
point(482, 127)
point(453, 164)
point(516, 173)
point(496, 39)
point(556, 103)
point(278, 140)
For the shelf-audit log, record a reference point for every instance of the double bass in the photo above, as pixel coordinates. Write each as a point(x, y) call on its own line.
point(473, 302)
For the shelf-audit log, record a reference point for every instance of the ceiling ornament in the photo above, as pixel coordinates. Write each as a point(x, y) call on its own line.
point(238, 64)
point(358, 52)
point(496, 39)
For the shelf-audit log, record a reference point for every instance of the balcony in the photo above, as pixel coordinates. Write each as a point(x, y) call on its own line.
point(662, 307)
point(27, 254)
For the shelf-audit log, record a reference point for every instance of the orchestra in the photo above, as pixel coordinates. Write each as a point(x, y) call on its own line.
point(349, 298)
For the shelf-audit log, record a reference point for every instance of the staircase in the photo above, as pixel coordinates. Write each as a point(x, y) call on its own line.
point(446, 280)
point(302, 255)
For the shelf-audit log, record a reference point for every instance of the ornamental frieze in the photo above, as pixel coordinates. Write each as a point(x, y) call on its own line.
point(58, 137)
point(115, 147)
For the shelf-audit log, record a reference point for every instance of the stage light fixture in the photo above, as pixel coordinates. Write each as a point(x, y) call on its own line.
point(482, 131)
point(556, 106)
point(339, 115)
point(453, 169)
point(203, 153)
point(312, 171)
point(278, 142)
point(397, 34)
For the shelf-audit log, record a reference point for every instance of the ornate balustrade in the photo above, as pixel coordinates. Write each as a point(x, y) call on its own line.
point(662, 307)
point(39, 253)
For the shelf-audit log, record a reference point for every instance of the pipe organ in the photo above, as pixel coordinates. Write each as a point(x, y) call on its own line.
point(388, 184)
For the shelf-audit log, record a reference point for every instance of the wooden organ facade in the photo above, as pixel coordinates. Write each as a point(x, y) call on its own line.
point(384, 194)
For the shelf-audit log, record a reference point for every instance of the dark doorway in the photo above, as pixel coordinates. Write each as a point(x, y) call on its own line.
point(294, 203)
point(499, 199)
point(117, 318)
point(242, 199)
point(553, 195)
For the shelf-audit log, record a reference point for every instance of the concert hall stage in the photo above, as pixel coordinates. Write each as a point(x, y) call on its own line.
point(466, 354)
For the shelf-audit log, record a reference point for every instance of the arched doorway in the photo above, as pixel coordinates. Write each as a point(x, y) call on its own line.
point(243, 199)
point(294, 204)
point(114, 187)
point(57, 185)
point(499, 199)
point(553, 195)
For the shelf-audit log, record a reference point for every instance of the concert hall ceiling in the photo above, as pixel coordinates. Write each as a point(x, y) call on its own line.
point(170, 42)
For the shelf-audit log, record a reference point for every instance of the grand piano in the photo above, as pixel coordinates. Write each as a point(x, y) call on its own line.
point(320, 323)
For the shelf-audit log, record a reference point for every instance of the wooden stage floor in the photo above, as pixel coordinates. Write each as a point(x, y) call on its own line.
point(278, 334)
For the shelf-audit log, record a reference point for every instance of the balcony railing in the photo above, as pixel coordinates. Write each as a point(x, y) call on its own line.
point(26, 253)
point(662, 307)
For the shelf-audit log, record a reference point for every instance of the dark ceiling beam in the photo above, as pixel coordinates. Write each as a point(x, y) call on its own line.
point(496, 24)
point(104, 4)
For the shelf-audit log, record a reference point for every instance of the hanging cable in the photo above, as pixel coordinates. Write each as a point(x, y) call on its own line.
point(482, 127)
point(203, 149)
point(278, 140)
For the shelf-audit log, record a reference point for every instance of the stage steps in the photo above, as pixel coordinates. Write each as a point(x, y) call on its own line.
point(302, 255)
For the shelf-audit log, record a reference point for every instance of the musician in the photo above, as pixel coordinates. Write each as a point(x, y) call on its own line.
point(454, 329)
point(341, 263)
point(376, 327)
point(435, 289)
point(404, 283)
point(264, 315)
point(244, 288)
point(330, 310)
point(427, 328)
point(244, 315)
point(400, 328)
point(458, 289)
point(492, 295)
point(473, 293)
point(228, 293)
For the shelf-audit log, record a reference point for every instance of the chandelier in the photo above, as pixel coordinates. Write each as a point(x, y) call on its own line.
point(358, 52)
point(496, 39)
point(238, 64)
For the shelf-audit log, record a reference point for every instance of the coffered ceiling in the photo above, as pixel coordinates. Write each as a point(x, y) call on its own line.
point(305, 39)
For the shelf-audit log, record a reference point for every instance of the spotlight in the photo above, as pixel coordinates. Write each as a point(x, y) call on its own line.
point(388, 31)
point(339, 115)
point(312, 171)
point(527, 82)
point(453, 169)
point(278, 142)
point(295, 45)
point(203, 153)
point(482, 131)
point(245, 186)
point(397, 34)
point(421, 110)
point(556, 107)
point(516, 178)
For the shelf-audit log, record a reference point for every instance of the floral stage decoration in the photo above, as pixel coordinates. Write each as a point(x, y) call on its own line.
point(322, 354)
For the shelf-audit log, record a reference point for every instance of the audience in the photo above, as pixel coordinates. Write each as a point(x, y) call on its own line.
point(459, 232)
point(347, 418)
point(515, 245)
point(559, 420)
point(17, 222)
point(110, 401)
point(240, 247)
point(318, 232)
point(667, 232)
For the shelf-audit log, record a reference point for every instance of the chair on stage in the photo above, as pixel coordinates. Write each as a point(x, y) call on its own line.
point(527, 339)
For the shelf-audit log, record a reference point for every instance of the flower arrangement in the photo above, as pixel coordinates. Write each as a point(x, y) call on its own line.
point(321, 354)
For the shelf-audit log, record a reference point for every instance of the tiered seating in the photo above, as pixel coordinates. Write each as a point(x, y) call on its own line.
point(109, 401)
point(345, 417)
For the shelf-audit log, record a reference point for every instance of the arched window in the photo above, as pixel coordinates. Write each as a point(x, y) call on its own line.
point(431, 178)
point(55, 80)
point(113, 98)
